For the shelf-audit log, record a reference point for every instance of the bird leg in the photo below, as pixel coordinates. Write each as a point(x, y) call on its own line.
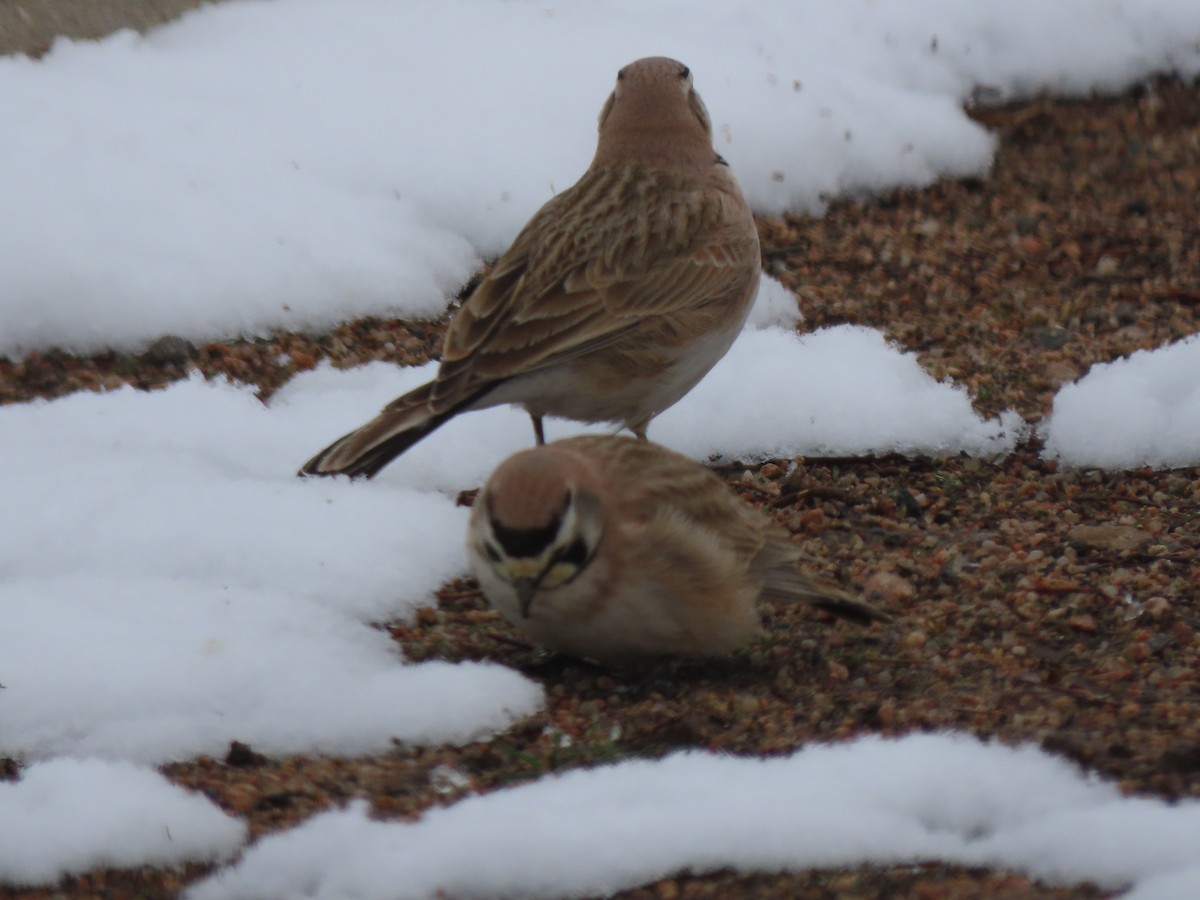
point(537, 429)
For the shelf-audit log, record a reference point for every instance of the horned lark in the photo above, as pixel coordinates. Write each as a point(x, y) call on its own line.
point(616, 298)
point(613, 549)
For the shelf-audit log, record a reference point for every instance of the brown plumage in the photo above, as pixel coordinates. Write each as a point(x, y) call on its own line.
point(614, 549)
point(613, 302)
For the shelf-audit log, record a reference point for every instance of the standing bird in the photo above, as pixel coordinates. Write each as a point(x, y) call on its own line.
point(612, 549)
point(613, 302)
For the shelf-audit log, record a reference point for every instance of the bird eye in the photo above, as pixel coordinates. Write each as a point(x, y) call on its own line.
point(575, 554)
point(621, 75)
point(685, 72)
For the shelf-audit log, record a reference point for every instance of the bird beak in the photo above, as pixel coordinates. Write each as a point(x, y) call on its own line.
point(526, 588)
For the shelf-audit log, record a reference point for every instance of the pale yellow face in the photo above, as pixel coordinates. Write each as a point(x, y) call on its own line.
point(546, 573)
point(538, 559)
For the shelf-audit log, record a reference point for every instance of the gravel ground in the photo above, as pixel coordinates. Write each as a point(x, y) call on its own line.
point(1033, 603)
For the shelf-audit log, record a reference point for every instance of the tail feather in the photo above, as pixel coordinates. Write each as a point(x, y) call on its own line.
point(366, 450)
point(789, 585)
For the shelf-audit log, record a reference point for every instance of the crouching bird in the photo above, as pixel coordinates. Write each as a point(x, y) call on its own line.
point(618, 550)
point(616, 298)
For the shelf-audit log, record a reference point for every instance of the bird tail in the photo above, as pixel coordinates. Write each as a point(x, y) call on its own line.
point(366, 450)
point(788, 584)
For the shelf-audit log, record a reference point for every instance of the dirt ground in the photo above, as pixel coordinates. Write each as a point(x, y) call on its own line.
point(1032, 602)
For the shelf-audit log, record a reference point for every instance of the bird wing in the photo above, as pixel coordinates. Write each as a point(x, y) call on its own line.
point(583, 275)
point(663, 479)
point(667, 481)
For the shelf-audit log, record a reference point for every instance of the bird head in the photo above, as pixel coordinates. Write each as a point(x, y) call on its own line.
point(654, 108)
point(537, 522)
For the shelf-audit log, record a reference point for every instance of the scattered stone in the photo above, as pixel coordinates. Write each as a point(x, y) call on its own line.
point(1113, 538)
point(1061, 372)
point(1085, 623)
point(1051, 337)
point(1126, 313)
point(1026, 224)
point(242, 756)
point(170, 350)
point(888, 589)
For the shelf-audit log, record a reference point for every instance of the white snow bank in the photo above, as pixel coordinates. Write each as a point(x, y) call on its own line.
point(70, 815)
point(873, 801)
point(1141, 410)
point(292, 164)
point(843, 391)
point(170, 586)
